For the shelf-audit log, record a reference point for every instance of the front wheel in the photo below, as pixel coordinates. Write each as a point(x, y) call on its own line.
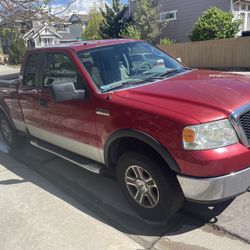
point(153, 192)
point(10, 135)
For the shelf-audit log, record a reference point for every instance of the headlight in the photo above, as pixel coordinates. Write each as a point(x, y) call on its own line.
point(209, 135)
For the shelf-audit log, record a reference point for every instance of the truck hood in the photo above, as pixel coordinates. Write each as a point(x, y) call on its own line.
point(200, 94)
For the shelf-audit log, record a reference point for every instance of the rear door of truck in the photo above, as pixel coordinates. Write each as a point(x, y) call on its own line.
point(30, 94)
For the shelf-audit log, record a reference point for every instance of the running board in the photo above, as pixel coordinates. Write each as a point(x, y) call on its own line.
point(76, 159)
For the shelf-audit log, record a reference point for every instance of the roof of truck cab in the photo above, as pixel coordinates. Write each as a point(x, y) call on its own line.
point(82, 45)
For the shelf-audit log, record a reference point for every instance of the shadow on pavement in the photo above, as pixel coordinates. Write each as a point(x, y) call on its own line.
point(100, 197)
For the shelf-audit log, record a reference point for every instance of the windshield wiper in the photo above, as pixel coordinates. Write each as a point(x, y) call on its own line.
point(172, 71)
point(120, 84)
point(186, 68)
point(168, 72)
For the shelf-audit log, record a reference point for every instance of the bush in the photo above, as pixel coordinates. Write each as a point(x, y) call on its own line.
point(17, 51)
point(13, 45)
point(166, 41)
point(215, 24)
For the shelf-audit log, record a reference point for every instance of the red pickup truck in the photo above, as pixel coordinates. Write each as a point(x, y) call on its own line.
point(167, 132)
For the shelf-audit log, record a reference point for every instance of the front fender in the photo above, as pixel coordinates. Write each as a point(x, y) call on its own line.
point(149, 140)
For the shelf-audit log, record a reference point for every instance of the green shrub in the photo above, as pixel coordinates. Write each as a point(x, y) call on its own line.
point(17, 51)
point(215, 24)
point(166, 41)
point(13, 44)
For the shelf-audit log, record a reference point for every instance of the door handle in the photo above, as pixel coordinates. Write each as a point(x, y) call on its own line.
point(43, 102)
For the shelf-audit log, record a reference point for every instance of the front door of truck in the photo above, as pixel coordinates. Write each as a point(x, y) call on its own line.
point(67, 124)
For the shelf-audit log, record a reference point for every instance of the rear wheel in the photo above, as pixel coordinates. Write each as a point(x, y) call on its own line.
point(153, 192)
point(10, 135)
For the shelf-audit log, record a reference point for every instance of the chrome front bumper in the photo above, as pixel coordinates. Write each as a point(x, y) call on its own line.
point(216, 188)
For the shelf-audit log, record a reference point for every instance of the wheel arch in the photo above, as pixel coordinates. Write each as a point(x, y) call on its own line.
point(112, 145)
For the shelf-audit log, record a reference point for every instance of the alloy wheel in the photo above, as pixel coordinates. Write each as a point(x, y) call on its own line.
point(141, 186)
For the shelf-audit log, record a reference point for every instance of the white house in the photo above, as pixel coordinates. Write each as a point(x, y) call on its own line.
point(44, 36)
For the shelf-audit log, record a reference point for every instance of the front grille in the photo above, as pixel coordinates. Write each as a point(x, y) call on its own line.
point(245, 123)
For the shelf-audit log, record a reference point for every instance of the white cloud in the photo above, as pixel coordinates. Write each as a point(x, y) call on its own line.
point(79, 6)
point(82, 6)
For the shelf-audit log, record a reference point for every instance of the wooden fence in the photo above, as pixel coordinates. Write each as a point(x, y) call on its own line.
point(226, 53)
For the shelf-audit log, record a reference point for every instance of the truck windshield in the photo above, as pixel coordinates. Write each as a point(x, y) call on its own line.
point(123, 65)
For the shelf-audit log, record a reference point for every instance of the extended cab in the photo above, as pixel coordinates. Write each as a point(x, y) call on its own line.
point(168, 132)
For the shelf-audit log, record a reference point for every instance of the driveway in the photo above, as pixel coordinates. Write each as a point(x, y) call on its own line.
point(5, 70)
point(47, 203)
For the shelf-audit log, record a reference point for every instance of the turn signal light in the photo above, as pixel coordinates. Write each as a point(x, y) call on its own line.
point(188, 135)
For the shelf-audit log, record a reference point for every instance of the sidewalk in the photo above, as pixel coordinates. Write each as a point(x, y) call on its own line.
point(34, 214)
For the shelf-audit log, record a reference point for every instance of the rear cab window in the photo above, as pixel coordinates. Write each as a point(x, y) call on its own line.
point(31, 70)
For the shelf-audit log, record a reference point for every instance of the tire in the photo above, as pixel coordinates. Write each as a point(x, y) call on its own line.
point(150, 188)
point(9, 134)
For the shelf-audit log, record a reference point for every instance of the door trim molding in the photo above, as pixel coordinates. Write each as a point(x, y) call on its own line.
point(79, 148)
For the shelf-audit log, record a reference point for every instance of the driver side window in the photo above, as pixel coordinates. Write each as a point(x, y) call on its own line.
point(60, 69)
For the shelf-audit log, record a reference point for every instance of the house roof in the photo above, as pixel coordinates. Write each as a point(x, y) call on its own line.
point(80, 17)
point(43, 28)
point(33, 33)
point(14, 17)
point(67, 37)
point(83, 17)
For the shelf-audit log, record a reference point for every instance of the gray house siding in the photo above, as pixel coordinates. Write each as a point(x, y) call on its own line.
point(188, 12)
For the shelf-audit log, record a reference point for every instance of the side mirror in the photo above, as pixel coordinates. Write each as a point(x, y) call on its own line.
point(179, 59)
point(66, 91)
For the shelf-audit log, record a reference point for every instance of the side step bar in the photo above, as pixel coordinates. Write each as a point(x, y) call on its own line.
point(81, 161)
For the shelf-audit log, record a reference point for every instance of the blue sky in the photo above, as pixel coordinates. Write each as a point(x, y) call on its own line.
point(80, 6)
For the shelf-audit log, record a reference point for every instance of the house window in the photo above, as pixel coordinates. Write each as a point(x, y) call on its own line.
point(168, 16)
point(243, 13)
point(245, 7)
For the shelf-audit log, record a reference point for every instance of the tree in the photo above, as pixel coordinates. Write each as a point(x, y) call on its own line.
point(114, 20)
point(32, 9)
point(92, 31)
point(146, 20)
point(14, 45)
point(215, 24)
point(131, 31)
